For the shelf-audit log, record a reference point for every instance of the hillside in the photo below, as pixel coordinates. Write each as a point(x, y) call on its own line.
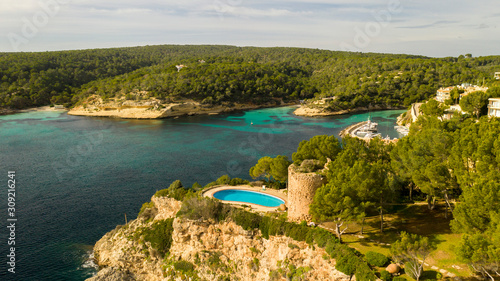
point(214, 75)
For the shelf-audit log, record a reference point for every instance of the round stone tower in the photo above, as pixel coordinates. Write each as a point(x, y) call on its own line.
point(301, 190)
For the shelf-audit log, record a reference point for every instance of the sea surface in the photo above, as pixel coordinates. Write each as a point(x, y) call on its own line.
point(78, 177)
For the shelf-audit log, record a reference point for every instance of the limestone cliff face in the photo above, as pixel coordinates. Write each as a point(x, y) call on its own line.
point(410, 116)
point(151, 108)
point(318, 110)
point(216, 250)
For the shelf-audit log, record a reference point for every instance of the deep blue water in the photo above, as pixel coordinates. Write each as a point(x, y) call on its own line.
point(248, 197)
point(77, 177)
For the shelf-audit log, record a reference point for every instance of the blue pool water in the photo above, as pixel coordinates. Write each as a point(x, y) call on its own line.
point(248, 197)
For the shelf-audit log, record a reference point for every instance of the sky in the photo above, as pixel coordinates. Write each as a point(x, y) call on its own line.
point(436, 28)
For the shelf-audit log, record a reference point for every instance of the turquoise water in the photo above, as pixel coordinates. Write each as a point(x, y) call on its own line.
point(248, 197)
point(77, 177)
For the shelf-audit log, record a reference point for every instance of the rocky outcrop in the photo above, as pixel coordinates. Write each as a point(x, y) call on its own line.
point(253, 256)
point(410, 116)
point(215, 250)
point(167, 207)
point(314, 110)
point(152, 108)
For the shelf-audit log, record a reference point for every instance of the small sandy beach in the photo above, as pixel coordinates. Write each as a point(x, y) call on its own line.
point(34, 109)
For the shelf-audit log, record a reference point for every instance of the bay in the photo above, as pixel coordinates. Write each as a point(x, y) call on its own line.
point(77, 177)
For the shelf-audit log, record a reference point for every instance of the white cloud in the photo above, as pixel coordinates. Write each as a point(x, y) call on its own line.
point(423, 27)
point(251, 12)
point(8, 6)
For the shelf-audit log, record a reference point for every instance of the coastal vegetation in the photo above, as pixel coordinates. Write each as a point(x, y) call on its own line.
point(228, 74)
point(432, 193)
point(451, 165)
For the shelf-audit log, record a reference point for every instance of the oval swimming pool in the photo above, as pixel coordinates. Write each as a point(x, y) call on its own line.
point(248, 197)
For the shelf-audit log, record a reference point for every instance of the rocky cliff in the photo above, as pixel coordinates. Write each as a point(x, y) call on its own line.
point(319, 110)
point(152, 108)
point(201, 250)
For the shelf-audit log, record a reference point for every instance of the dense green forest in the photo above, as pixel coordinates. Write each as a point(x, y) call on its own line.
point(215, 74)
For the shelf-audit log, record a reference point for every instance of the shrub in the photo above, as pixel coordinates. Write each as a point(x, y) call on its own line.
point(322, 237)
point(214, 261)
point(254, 264)
point(349, 261)
point(148, 211)
point(385, 276)
point(309, 166)
point(208, 185)
point(162, 193)
point(238, 181)
point(347, 264)
point(225, 179)
point(276, 184)
point(175, 190)
point(195, 208)
point(399, 278)
point(196, 186)
point(247, 220)
point(254, 250)
point(274, 275)
point(376, 259)
point(159, 235)
point(183, 266)
point(363, 272)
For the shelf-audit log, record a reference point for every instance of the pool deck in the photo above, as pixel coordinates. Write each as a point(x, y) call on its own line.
point(280, 194)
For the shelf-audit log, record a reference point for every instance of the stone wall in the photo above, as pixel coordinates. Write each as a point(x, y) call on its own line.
point(301, 190)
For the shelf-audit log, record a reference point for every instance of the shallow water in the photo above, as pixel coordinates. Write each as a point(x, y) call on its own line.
point(77, 177)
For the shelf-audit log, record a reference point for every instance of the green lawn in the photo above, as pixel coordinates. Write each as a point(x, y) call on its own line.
point(414, 218)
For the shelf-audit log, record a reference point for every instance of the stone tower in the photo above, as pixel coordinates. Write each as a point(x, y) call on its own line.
point(301, 190)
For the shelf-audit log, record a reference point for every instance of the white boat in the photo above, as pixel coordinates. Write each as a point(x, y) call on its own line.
point(368, 130)
point(403, 130)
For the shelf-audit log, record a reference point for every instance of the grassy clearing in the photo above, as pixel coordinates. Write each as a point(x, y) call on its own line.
point(415, 218)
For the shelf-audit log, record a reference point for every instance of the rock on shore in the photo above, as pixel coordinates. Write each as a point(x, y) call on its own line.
point(152, 108)
point(318, 111)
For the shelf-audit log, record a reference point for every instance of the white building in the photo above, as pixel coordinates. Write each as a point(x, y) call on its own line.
point(443, 93)
point(494, 107)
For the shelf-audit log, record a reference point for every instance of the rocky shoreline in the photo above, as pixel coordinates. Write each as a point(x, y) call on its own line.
point(319, 111)
point(155, 109)
point(6, 111)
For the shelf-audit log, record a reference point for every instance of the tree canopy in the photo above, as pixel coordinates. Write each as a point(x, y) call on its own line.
point(276, 168)
point(356, 177)
point(475, 103)
point(412, 250)
point(318, 148)
point(218, 74)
